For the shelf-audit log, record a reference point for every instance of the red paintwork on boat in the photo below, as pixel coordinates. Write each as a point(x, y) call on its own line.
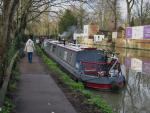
point(103, 86)
point(99, 86)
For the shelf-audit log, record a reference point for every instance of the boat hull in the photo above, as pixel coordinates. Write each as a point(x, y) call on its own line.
point(104, 82)
point(94, 82)
point(105, 86)
point(98, 86)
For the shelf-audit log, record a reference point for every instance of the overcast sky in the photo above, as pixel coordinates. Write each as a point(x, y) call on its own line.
point(90, 7)
point(123, 9)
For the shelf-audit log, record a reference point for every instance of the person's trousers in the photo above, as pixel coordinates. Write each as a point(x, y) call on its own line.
point(30, 57)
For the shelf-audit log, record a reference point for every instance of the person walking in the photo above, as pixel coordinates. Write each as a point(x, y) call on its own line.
point(29, 48)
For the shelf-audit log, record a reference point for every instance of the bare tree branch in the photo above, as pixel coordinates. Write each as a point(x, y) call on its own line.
point(39, 13)
point(130, 4)
point(142, 11)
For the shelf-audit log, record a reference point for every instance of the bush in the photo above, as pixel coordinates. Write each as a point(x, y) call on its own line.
point(8, 106)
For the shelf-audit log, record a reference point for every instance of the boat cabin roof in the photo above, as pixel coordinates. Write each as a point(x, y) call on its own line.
point(73, 47)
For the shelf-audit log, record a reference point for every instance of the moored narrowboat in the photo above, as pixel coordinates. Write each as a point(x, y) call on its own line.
point(90, 65)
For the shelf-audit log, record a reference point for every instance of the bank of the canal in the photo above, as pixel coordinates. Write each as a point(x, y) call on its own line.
point(126, 43)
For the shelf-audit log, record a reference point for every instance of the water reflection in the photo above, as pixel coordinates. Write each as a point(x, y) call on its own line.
point(135, 98)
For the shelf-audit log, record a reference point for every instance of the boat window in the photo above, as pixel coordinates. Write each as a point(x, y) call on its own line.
point(90, 56)
point(53, 49)
point(48, 45)
point(70, 57)
point(60, 53)
point(65, 55)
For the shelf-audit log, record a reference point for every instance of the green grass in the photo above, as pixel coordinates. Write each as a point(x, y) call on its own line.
point(8, 106)
point(92, 98)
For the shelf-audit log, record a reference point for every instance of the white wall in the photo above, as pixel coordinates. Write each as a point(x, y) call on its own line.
point(114, 35)
point(76, 35)
point(98, 38)
point(137, 32)
point(136, 64)
point(86, 30)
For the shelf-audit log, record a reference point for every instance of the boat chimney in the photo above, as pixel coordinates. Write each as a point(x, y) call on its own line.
point(59, 39)
point(64, 42)
point(74, 41)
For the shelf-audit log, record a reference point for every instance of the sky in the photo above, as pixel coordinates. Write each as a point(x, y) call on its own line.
point(123, 9)
point(90, 7)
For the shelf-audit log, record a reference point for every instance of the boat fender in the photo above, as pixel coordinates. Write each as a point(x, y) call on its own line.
point(101, 73)
point(117, 85)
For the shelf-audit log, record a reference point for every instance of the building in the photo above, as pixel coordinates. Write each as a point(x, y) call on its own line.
point(90, 30)
point(98, 38)
point(135, 37)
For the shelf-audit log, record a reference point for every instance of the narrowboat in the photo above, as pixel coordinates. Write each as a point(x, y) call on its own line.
point(92, 66)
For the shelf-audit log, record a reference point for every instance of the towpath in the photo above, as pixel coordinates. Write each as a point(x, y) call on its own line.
point(37, 92)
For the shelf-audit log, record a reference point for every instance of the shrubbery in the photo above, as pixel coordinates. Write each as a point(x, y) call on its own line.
point(8, 106)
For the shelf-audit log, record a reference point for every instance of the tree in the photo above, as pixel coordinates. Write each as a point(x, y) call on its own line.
point(66, 21)
point(102, 7)
point(80, 16)
point(8, 10)
point(142, 11)
point(114, 7)
point(130, 4)
point(103, 13)
point(132, 22)
point(14, 22)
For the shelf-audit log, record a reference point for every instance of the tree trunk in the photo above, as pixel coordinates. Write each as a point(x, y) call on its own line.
point(130, 4)
point(129, 16)
point(9, 7)
point(141, 11)
point(115, 14)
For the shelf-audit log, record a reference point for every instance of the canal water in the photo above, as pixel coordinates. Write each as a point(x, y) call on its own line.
point(135, 98)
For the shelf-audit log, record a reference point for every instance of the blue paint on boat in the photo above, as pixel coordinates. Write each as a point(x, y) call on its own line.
point(90, 65)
